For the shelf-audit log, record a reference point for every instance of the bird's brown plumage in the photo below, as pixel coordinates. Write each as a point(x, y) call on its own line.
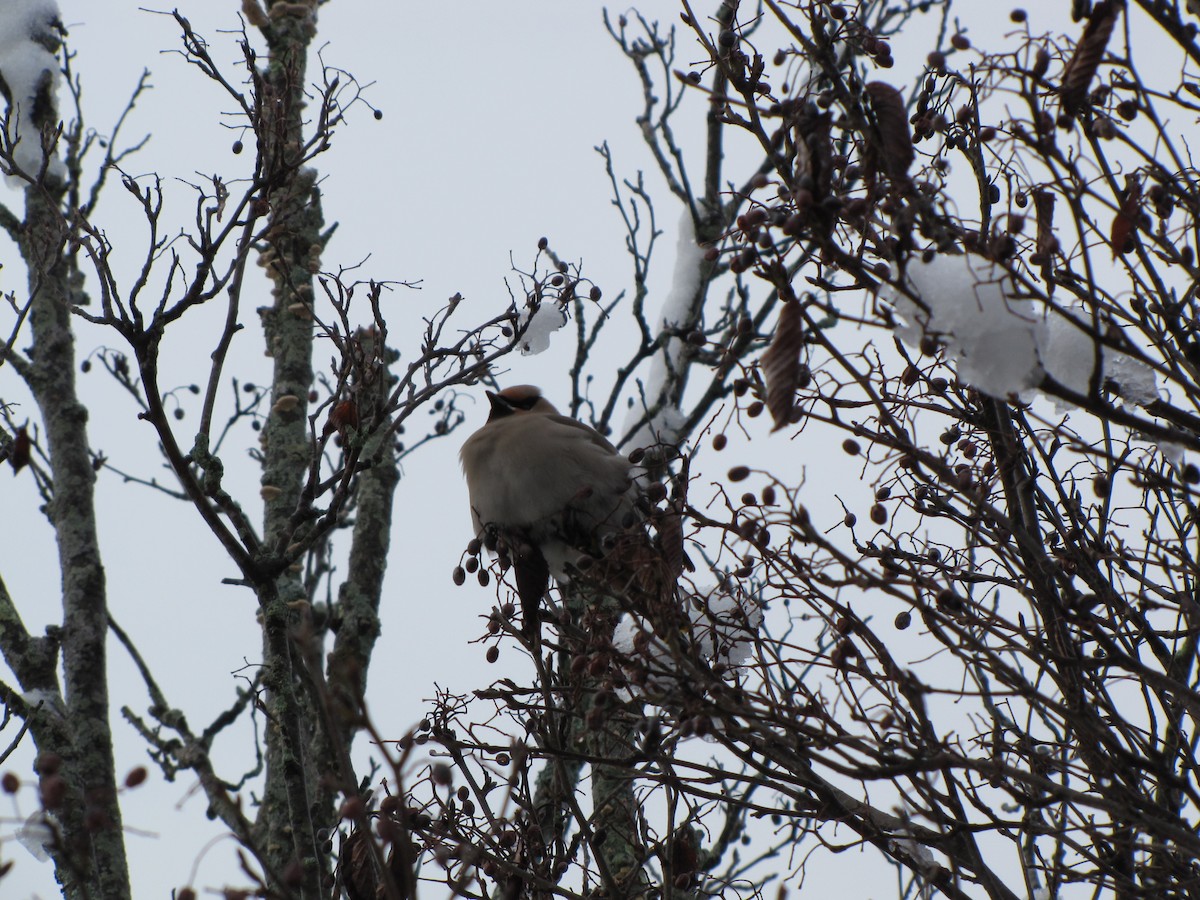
point(552, 487)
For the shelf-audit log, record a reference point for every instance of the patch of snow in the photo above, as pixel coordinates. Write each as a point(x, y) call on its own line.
point(46, 701)
point(1000, 344)
point(992, 339)
point(537, 325)
point(24, 61)
point(724, 626)
point(685, 279)
point(1171, 451)
point(36, 835)
point(920, 854)
point(1135, 380)
point(663, 426)
point(1070, 354)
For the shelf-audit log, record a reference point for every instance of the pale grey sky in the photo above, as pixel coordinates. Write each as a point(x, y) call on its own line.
point(490, 116)
point(491, 113)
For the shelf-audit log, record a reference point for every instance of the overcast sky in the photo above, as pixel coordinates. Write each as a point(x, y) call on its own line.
point(490, 116)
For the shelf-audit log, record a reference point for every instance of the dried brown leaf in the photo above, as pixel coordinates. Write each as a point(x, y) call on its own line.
point(1047, 243)
point(19, 450)
point(781, 363)
point(669, 526)
point(1126, 219)
point(342, 417)
point(356, 868)
point(896, 152)
point(814, 151)
point(1089, 52)
point(684, 858)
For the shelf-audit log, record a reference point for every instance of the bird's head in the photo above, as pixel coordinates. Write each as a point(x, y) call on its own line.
point(519, 400)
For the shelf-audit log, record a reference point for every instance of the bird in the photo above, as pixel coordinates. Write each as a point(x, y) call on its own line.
point(552, 488)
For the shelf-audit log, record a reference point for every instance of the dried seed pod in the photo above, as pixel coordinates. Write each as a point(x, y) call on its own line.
point(950, 602)
point(53, 790)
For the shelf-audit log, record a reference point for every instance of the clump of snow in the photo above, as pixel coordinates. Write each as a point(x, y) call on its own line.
point(1000, 343)
point(663, 426)
point(1134, 379)
point(723, 629)
point(1171, 451)
point(685, 280)
point(1070, 355)
point(26, 26)
point(725, 625)
point(36, 836)
point(44, 701)
point(535, 326)
point(992, 339)
point(926, 864)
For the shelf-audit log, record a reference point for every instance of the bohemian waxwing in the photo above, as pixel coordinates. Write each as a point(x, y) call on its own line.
point(550, 487)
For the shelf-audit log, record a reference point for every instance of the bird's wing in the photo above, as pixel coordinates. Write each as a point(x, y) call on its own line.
point(593, 435)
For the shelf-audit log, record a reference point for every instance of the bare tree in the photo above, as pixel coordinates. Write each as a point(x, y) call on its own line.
point(328, 451)
point(974, 654)
point(989, 678)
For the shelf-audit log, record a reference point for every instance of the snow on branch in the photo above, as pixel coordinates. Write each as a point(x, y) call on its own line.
point(723, 626)
point(30, 73)
point(999, 342)
point(537, 324)
point(663, 424)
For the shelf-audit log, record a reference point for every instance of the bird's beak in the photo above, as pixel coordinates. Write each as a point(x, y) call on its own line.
point(497, 404)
